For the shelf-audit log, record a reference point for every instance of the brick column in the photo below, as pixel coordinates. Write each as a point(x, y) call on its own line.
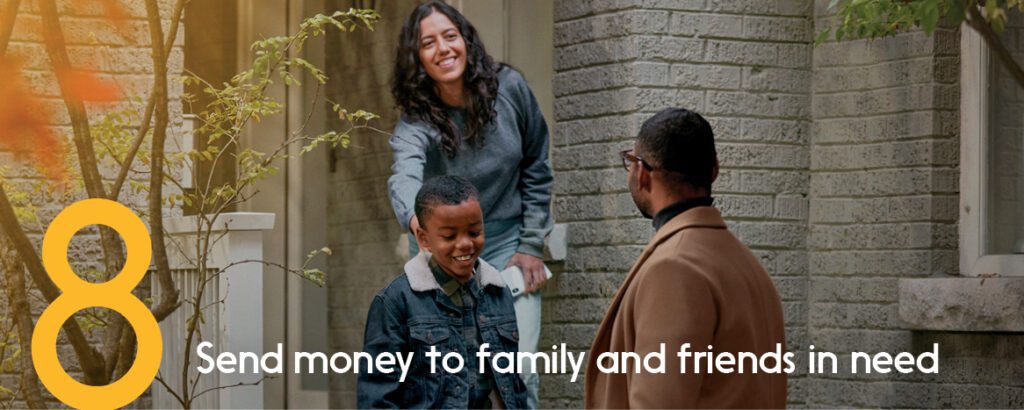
point(884, 157)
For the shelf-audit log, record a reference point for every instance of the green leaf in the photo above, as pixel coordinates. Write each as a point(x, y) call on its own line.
point(822, 36)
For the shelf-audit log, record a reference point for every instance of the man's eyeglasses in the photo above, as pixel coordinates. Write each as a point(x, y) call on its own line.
point(628, 159)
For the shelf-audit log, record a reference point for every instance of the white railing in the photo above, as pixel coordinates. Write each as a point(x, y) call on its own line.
point(233, 313)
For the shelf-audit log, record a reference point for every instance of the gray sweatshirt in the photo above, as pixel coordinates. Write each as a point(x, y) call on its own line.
point(510, 168)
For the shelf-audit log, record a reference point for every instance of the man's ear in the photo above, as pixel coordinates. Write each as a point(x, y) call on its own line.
point(714, 171)
point(644, 177)
point(421, 239)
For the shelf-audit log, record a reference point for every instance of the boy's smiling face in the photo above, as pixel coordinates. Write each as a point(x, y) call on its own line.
point(454, 234)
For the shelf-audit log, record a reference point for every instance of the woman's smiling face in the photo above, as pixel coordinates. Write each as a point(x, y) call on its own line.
point(442, 49)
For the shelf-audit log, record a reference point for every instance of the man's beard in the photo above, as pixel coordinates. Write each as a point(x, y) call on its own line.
point(640, 203)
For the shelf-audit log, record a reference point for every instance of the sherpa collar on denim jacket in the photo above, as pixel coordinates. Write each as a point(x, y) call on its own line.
point(421, 279)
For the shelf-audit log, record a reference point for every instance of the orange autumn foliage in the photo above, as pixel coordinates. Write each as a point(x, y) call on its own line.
point(24, 121)
point(24, 124)
point(86, 86)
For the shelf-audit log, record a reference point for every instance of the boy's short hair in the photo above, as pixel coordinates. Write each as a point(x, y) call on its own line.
point(443, 190)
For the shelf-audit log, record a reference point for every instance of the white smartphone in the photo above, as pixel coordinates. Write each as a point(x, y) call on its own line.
point(514, 279)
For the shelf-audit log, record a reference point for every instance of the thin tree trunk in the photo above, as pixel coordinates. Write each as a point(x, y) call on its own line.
point(88, 357)
point(115, 346)
point(156, 177)
point(14, 274)
point(53, 36)
point(147, 115)
point(10, 12)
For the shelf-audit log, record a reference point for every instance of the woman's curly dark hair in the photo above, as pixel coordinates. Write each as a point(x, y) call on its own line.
point(414, 91)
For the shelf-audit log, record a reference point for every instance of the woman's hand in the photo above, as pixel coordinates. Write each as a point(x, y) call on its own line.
point(533, 270)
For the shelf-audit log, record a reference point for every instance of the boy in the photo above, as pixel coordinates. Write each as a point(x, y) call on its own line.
point(450, 300)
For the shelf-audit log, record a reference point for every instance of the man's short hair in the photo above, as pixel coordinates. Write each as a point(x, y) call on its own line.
point(443, 190)
point(681, 142)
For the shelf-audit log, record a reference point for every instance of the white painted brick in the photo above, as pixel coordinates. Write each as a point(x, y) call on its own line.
point(566, 10)
point(829, 289)
point(590, 156)
point(656, 99)
point(596, 103)
point(939, 208)
point(617, 24)
point(596, 181)
point(760, 105)
point(706, 25)
point(596, 52)
point(886, 127)
point(793, 207)
point(777, 79)
point(856, 316)
point(799, 8)
point(883, 236)
point(744, 206)
point(664, 48)
point(771, 234)
point(762, 156)
point(884, 182)
point(773, 131)
point(888, 100)
point(706, 76)
point(794, 55)
point(573, 284)
point(943, 152)
point(742, 7)
point(787, 29)
point(573, 208)
point(740, 52)
point(679, 5)
point(635, 231)
point(600, 129)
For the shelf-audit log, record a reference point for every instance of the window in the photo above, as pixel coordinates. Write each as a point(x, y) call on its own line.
point(992, 157)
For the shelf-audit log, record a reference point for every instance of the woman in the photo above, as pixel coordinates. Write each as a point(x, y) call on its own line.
point(464, 114)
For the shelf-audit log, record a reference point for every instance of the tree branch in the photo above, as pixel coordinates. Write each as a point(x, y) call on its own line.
point(115, 345)
point(168, 293)
point(160, 378)
point(113, 254)
point(22, 317)
point(53, 37)
point(995, 43)
point(239, 384)
point(88, 357)
point(147, 116)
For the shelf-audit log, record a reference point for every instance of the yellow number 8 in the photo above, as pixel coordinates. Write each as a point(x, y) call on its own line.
point(114, 294)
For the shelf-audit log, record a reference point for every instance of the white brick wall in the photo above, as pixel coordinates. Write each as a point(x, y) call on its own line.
point(883, 199)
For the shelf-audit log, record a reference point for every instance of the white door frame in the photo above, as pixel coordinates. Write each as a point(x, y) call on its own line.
point(307, 207)
point(258, 19)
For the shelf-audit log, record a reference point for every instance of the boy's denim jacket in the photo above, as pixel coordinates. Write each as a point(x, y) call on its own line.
point(411, 315)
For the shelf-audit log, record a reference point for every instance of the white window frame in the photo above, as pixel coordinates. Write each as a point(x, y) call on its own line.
point(974, 117)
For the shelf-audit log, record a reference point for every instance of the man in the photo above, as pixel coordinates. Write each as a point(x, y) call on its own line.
point(694, 283)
